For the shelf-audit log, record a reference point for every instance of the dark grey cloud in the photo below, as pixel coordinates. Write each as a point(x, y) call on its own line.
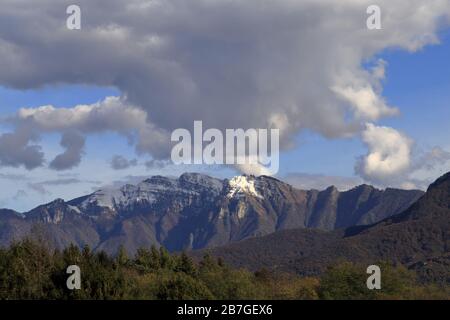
point(16, 150)
point(71, 157)
point(121, 163)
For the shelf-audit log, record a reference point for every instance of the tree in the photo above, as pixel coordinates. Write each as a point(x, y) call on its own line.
point(186, 264)
point(122, 257)
point(165, 259)
point(180, 286)
point(345, 281)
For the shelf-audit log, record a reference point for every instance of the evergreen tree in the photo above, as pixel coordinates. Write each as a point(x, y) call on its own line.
point(186, 265)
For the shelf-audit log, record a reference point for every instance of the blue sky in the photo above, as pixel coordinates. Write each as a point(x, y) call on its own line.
point(417, 82)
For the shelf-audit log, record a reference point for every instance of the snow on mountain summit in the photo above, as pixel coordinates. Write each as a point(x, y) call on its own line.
point(243, 185)
point(150, 190)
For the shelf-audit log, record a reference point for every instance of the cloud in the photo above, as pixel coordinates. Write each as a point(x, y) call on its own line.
point(432, 159)
point(254, 169)
point(20, 194)
point(293, 65)
point(307, 181)
point(120, 163)
point(10, 176)
point(59, 182)
point(16, 150)
point(389, 155)
point(156, 164)
point(74, 144)
point(41, 187)
point(113, 114)
point(394, 160)
point(365, 102)
point(68, 175)
point(130, 179)
point(426, 166)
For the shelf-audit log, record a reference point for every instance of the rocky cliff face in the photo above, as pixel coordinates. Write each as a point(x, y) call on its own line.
point(197, 211)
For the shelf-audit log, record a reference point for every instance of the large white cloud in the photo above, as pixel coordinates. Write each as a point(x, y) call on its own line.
point(389, 154)
point(112, 114)
point(394, 159)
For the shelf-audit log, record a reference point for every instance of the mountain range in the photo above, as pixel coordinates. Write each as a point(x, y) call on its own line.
point(418, 238)
point(196, 211)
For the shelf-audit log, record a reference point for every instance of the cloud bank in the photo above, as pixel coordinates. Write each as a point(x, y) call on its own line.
point(293, 65)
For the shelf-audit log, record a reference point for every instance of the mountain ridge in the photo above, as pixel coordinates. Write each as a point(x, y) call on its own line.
point(418, 238)
point(196, 211)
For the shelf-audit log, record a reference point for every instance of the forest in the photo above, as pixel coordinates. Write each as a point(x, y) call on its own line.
point(30, 270)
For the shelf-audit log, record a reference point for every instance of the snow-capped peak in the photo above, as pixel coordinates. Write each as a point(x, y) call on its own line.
point(241, 185)
point(102, 198)
point(150, 190)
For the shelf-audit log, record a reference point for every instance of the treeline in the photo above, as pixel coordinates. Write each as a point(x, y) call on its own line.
point(29, 270)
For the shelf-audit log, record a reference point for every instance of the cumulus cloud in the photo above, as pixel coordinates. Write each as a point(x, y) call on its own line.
point(365, 102)
point(71, 157)
point(389, 154)
point(16, 149)
point(113, 114)
point(120, 163)
point(288, 64)
point(393, 159)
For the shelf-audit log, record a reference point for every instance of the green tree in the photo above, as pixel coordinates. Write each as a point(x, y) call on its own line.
point(345, 281)
point(180, 286)
point(186, 264)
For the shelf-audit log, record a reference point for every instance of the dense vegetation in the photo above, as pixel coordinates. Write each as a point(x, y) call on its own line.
point(29, 270)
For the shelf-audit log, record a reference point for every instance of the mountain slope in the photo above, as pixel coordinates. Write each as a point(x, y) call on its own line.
point(197, 211)
point(419, 238)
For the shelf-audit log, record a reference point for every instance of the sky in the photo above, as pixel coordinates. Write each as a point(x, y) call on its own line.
point(84, 109)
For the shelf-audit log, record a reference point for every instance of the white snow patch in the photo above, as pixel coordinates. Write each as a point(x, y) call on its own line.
point(241, 185)
point(76, 209)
